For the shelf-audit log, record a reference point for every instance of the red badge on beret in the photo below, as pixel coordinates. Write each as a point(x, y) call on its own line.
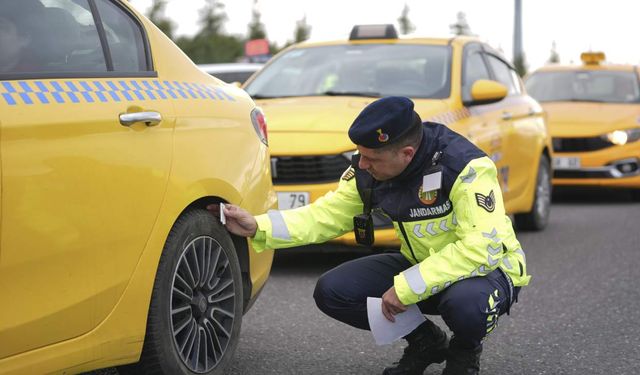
point(382, 137)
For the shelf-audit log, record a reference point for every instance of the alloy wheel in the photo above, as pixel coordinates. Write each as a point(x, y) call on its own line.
point(203, 297)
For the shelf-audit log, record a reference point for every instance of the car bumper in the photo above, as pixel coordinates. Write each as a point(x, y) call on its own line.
point(385, 235)
point(611, 167)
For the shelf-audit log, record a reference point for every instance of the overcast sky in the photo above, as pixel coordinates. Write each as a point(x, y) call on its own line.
point(574, 25)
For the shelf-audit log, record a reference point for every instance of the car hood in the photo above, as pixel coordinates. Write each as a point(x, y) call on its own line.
point(590, 119)
point(319, 125)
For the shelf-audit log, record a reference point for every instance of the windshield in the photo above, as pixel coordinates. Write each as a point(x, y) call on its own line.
point(584, 86)
point(418, 71)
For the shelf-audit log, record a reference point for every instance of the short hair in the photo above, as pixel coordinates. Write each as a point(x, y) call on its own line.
point(412, 138)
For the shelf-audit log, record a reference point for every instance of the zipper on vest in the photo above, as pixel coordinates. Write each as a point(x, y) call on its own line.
point(406, 239)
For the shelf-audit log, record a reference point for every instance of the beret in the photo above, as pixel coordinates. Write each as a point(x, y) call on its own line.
point(383, 122)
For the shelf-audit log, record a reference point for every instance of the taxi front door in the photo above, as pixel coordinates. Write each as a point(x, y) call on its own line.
point(81, 189)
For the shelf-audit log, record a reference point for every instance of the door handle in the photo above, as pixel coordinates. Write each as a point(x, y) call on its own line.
point(507, 116)
point(149, 118)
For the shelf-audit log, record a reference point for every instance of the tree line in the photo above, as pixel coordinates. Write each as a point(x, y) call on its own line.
point(211, 44)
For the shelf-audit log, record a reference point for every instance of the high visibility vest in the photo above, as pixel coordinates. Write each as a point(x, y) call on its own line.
point(457, 231)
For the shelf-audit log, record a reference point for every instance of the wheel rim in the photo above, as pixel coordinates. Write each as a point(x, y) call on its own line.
point(543, 194)
point(202, 304)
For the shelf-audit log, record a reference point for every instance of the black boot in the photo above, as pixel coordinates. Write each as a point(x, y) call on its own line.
point(427, 344)
point(462, 361)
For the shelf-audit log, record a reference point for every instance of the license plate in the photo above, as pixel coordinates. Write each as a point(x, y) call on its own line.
point(566, 163)
point(292, 199)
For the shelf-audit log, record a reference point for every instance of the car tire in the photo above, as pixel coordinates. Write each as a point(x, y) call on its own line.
point(538, 217)
point(196, 306)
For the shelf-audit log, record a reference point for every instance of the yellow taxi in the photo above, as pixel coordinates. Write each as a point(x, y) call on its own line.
point(112, 144)
point(594, 119)
point(311, 93)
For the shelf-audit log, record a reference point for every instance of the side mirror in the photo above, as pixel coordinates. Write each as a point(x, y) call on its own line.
point(484, 91)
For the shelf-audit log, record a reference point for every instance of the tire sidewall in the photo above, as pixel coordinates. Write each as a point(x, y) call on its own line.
point(191, 225)
point(544, 169)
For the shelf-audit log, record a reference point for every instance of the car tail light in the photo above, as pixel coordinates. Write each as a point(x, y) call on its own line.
point(259, 122)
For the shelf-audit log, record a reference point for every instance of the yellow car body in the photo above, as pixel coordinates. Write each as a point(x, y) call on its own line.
point(308, 130)
point(594, 118)
point(89, 201)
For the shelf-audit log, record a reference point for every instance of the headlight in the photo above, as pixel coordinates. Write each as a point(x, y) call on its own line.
point(622, 137)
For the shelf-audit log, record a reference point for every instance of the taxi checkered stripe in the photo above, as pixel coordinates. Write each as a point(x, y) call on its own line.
point(451, 116)
point(93, 91)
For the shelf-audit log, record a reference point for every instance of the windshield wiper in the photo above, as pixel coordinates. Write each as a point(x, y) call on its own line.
point(370, 94)
point(257, 96)
point(585, 100)
point(328, 93)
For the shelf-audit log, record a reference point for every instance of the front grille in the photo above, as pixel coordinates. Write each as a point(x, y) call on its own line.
point(580, 144)
point(581, 174)
point(308, 169)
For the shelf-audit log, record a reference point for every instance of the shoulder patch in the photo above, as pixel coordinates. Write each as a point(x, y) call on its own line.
point(349, 174)
point(488, 202)
point(469, 177)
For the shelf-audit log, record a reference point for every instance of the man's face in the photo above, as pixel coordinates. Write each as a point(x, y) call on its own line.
point(385, 164)
point(11, 43)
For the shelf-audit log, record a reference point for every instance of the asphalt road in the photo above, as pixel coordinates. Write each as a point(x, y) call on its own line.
point(580, 314)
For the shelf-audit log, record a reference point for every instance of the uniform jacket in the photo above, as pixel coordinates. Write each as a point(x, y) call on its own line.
point(456, 232)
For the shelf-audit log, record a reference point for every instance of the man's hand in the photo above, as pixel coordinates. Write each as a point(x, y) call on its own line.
point(391, 304)
point(239, 221)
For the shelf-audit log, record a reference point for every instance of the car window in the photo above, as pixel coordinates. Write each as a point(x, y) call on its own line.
point(502, 73)
point(52, 36)
point(230, 77)
point(585, 85)
point(474, 68)
point(516, 78)
point(125, 39)
point(419, 71)
point(42, 38)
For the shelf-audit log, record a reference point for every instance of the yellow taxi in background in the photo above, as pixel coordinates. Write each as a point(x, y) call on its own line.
point(594, 119)
point(112, 143)
point(312, 92)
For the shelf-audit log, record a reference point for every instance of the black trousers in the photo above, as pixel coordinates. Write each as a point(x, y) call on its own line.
point(469, 307)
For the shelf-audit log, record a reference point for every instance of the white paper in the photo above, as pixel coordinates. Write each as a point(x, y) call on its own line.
point(432, 182)
point(223, 219)
point(385, 332)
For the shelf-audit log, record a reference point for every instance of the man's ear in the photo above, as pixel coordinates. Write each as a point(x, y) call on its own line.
point(408, 152)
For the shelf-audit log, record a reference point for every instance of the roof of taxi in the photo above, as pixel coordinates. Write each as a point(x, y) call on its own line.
point(414, 40)
point(566, 67)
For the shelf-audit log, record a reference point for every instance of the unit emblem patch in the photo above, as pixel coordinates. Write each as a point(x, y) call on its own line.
point(488, 202)
point(428, 197)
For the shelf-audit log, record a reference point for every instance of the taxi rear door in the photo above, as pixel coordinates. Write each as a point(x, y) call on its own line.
point(483, 123)
point(86, 147)
point(519, 132)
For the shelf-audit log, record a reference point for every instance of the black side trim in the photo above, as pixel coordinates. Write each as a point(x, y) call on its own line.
point(101, 34)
